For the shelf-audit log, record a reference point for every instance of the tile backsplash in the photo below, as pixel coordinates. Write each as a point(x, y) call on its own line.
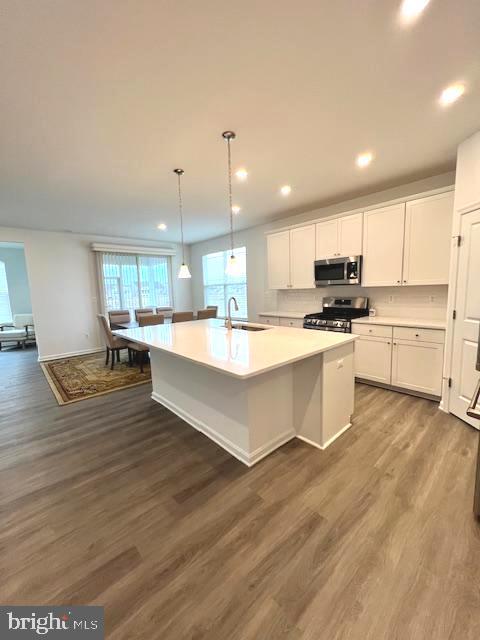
point(418, 302)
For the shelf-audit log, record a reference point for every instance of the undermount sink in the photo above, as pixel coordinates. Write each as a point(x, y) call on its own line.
point(249, 327)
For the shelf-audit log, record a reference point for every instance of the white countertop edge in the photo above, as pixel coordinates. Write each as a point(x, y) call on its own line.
point(417, 323)
point(347, 340)
point(284, 314)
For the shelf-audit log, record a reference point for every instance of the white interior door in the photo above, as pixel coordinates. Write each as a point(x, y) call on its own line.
point(302, 257)
point(467, 323)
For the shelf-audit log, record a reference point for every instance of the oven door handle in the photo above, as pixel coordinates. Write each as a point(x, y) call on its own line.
point(471, 411)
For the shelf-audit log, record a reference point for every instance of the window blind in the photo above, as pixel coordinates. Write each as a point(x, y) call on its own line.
point(135, 281)
point(5, 309)
point(218, 286)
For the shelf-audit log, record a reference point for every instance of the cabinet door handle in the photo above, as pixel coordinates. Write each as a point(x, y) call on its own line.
point(394, 344)
point(416, 335)
point(398, 281)
point(388, 342)
point(404, 282)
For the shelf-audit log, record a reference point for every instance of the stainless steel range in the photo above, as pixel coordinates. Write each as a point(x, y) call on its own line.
point(337, 314)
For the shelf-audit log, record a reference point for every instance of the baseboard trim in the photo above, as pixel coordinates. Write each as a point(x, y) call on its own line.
point(408, 392)
point(248, 459)
point(266, 449)
point(70, 354)
point(328, 442)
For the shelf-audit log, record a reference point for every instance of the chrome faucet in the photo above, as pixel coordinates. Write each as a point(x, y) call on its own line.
point(228, 319)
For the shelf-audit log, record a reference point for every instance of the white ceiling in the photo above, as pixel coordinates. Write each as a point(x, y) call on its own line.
point(101, 99)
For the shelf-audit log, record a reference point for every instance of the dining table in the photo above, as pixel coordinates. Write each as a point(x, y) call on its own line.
point(133, 324)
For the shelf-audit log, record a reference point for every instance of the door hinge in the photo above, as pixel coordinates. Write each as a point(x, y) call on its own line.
point(454, 314)
point(450, 382)
point(459, 240)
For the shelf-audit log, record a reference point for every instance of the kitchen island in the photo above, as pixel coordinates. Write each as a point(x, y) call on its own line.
point(255, 387)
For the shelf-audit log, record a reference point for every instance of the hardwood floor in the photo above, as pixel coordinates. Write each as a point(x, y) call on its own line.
point(115, 501)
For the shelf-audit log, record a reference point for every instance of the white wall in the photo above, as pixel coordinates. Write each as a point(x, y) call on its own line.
point(427, 301)
point(17, 279)
point(64, 291)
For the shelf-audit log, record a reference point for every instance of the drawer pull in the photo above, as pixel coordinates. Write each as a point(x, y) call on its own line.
point(417, 335)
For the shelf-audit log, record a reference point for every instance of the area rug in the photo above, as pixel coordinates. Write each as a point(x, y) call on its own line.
point(82, 377)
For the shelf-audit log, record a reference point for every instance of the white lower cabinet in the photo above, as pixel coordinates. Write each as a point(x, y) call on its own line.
point(291, 322)
point(373, 358)
point(269, 320)
point(418, 366)
point(411, 359)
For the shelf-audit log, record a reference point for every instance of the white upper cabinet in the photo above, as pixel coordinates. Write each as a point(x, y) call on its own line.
point(428, 239)
point(467, 176)
point(290, 258)
point(302, 257)
point(278, 260)
point(350, 235)
point(383, 231)
point(339, 237)
point(326, 234)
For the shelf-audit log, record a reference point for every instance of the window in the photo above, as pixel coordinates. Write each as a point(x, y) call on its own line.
point(135, 281)
point(5, 309)
point(218, 286)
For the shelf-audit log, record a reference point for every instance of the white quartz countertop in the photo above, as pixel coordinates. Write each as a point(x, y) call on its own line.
point(420, 323)
point(284, 314)
point(238, 353)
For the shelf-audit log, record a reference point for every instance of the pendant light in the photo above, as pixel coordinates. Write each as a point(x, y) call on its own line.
point(233, 266)
point(184, 271)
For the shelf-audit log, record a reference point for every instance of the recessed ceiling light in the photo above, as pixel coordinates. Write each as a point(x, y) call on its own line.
point(162, 226)
point(286, 190)
point(364, 159)
point(411, 9)
point(242, 174)
point(451, 94)
point(236, 209)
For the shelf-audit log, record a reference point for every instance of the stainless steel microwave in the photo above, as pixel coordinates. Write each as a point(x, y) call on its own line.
point(332, 271)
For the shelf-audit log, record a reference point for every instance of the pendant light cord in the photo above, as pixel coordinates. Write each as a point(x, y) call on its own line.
point(229, 155)
point(180, 208)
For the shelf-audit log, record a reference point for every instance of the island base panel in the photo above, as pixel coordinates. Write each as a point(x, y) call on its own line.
point(249, 418)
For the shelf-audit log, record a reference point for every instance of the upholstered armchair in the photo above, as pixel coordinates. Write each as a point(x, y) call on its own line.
point(21, 330)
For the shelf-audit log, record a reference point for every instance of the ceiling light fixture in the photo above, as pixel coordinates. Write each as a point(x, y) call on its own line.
point(232, 263)
point(286, 190)
point(162, 226)
point(236, 209)
point(451, 94)
point(411, 9)
point(184, 271)
point(242, 174)
point(364, 159)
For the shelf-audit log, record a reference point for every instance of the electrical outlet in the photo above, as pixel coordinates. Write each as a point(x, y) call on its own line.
point(390, 299)
point(432, 298)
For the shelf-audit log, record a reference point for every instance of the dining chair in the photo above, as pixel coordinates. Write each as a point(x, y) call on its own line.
point(165, 311)
point(150, 319)
point(113, 343)
point(119, 315)
point(143, 312)
point(204, 314)
point(182, 316)
point(139, 352)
